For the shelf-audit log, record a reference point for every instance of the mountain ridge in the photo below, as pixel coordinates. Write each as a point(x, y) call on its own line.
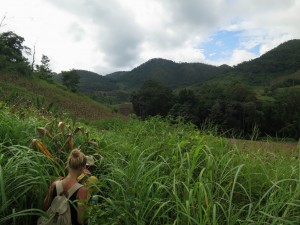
point(279, 61)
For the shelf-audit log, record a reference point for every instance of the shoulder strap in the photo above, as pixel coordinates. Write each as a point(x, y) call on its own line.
point(73, 189)
point(59, 187)
point(84, 179)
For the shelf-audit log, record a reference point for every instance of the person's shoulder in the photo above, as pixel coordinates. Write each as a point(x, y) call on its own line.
point(82, 189)
point(93, 179)
point(82, 192)
point(53, 184)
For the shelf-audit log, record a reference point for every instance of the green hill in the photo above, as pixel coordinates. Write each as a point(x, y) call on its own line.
point(262, 71)
point(91, 82)
point(116, 75)
point(278, 62)
point(26, 91)
point(116, 87)
point(174, 75)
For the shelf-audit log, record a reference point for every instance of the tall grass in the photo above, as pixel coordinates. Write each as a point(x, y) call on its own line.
point(24, 173)
point(24, 178)
point(158, 172)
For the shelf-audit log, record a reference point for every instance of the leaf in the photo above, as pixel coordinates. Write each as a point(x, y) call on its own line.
point(37, 143)
point(43, 131)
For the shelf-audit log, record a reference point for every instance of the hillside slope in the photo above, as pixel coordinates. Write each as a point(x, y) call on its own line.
point(27, 91)
point(280, 61)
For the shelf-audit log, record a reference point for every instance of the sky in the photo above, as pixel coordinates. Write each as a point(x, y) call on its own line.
point(118, 35)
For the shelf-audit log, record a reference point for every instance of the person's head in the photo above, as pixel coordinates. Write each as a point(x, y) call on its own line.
point(76, 160)
point(90, 163)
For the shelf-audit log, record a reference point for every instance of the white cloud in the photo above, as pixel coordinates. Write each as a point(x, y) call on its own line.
point(107, 36)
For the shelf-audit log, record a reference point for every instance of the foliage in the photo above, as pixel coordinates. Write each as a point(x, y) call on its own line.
point(91, 82)
point(70, 79)
point(186, 106)
point(286, 110)
point(281, 60)
point(43, 70)
point(50, 98)
point(169, 73)
point(231, 105)
point(154, 172)
point(152, 99)
point(11, 57)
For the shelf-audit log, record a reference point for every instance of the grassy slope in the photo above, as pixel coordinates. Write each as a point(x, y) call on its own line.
point(33, 88)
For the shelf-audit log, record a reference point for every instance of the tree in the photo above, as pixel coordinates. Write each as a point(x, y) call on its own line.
point(286, 112)
point(186, 106)
point(152, 99)
point(44, 70)
point(70, 79)
point(230, 105)
point(11, 53)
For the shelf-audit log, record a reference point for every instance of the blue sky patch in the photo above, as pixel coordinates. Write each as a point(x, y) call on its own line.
point(222, 43)
point(255, 49)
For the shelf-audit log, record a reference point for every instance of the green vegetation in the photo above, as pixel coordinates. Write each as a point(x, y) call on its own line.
point(11, 54)
point(70, 79)
point(231, 105)
point(25, 91)
point(151, 172)
point(174, 75)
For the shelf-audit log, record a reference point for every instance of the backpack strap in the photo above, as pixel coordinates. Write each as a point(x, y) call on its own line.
point(59, 187)
point(71, 191)
point(85, 178)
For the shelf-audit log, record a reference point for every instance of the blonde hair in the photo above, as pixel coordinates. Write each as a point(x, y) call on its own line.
point(76, 159)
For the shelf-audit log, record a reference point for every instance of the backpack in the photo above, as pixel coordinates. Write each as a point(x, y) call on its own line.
point(59, 211)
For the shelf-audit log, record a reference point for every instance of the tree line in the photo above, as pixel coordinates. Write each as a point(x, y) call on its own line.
point(230, 105)
point(12, 60)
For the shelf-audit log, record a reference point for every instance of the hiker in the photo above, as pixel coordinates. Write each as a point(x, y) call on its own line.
point(86, 177)
point(76, 163)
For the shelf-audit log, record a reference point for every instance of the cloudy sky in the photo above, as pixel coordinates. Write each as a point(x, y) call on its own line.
point(107, 36)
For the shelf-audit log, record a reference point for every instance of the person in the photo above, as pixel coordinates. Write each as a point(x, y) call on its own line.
point(75, 163)
point(87, 178)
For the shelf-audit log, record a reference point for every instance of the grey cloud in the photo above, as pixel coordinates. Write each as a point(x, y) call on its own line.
point(199, 14)
point(118, 36)
point(191, 18)
point(77, 31)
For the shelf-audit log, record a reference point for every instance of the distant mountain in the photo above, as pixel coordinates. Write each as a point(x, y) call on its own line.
point(278, 62)
point(116, 75)
point(169, 73)
point(282, 60)
point(90, 82)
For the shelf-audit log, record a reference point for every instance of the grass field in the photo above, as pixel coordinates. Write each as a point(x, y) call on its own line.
point(151, 172)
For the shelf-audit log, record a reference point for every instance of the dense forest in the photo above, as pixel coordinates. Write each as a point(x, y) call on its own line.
point(231, 106)
point(262, 96)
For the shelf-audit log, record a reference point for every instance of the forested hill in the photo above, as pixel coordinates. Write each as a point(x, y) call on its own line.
point(284, 58)
point(90, 81)
point(169, 73)
point(117, 86)
point(280, 61)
